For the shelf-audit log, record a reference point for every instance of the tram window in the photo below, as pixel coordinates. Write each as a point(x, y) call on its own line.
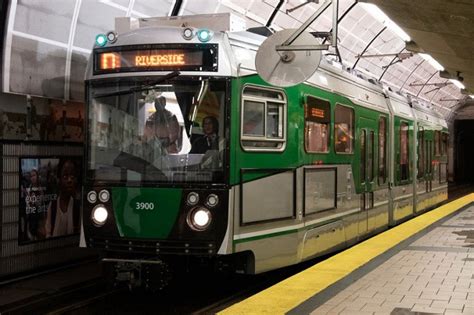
point(274, 125)
point(343, 129)
point(382, 150)
point(404, 156)
point(363, 158)
point(263, 119)
point(421, 152)
point(253, 118)
point(444, 143)
point(443, 173)
point(370, 157)
point(437, 142)
point(172, 133)
point(317, 119)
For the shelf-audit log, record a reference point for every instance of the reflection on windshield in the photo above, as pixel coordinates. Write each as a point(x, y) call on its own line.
point(169, 133)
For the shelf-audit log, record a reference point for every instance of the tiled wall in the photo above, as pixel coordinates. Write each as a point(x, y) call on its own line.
point(15, 258)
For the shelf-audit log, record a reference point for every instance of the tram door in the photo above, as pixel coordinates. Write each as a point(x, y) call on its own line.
point(367, 149)
point(429, 165)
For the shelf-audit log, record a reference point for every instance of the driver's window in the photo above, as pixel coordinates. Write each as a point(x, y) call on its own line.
point(207, 130)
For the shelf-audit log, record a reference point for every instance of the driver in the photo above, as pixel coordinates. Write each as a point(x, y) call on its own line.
point(210, 139)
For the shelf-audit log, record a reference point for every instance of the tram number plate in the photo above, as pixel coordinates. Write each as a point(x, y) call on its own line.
point(144, 206)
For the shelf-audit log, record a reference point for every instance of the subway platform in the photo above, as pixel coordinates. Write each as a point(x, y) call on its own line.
point(423, 266)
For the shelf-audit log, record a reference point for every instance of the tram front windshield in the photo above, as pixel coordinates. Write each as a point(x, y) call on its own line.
point(142, 132)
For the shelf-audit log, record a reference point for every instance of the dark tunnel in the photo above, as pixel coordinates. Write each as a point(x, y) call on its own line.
point(464, 151)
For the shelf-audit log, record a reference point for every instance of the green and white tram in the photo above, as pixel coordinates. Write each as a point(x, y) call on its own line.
point(191, 154)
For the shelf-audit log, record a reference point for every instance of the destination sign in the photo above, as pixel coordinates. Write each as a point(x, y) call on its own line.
point(126, 59)
point(317, 110)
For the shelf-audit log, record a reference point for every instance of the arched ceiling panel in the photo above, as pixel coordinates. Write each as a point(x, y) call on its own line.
point(63, 32)
point(39, 18)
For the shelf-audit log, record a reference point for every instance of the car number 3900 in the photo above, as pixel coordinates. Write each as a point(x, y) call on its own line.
point(144, 206)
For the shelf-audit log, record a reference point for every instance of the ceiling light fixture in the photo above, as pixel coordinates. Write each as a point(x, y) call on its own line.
point(380, 16)
point(457, 83)
point(432, 61)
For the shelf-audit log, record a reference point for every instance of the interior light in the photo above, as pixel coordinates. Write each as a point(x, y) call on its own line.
point(457, 83)
point(398, 30)
point(471, 96)
point(204, 35)
point(380, 16)
point(432, 61)
point(101, 40)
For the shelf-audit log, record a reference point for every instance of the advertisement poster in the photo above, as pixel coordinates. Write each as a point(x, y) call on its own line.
point(50, 201)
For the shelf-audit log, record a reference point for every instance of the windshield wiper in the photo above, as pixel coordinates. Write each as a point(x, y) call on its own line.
point(141, 88)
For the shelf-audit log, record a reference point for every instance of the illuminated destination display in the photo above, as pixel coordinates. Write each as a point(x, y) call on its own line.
point(317, 110)
point(160, 60)
point(187, 59)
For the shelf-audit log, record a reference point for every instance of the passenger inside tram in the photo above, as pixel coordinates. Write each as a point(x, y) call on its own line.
point(163, 126)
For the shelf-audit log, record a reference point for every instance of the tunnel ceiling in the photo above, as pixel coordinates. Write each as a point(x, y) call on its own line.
point(47, 42)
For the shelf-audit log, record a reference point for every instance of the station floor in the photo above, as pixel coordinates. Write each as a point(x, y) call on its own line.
point(423, 266)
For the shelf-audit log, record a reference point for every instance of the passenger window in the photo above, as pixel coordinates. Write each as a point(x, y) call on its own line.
point(317, 119)
point(421, 152)
point(382, 150)
point(437, 142)
point(343, 129)
point(274, 125)
point(363, 158)
point(404, 154)
point(253, 118)
point(370, 157)
point(263, 119)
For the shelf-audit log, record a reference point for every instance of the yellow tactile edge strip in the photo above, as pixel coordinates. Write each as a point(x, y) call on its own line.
point(289, 293)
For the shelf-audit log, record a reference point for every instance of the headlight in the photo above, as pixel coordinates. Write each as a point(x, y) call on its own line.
point(92, 196)
point(192, 199)
point(99, 215)
point(212, 200)
point(199, 219)
point(104, 195)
